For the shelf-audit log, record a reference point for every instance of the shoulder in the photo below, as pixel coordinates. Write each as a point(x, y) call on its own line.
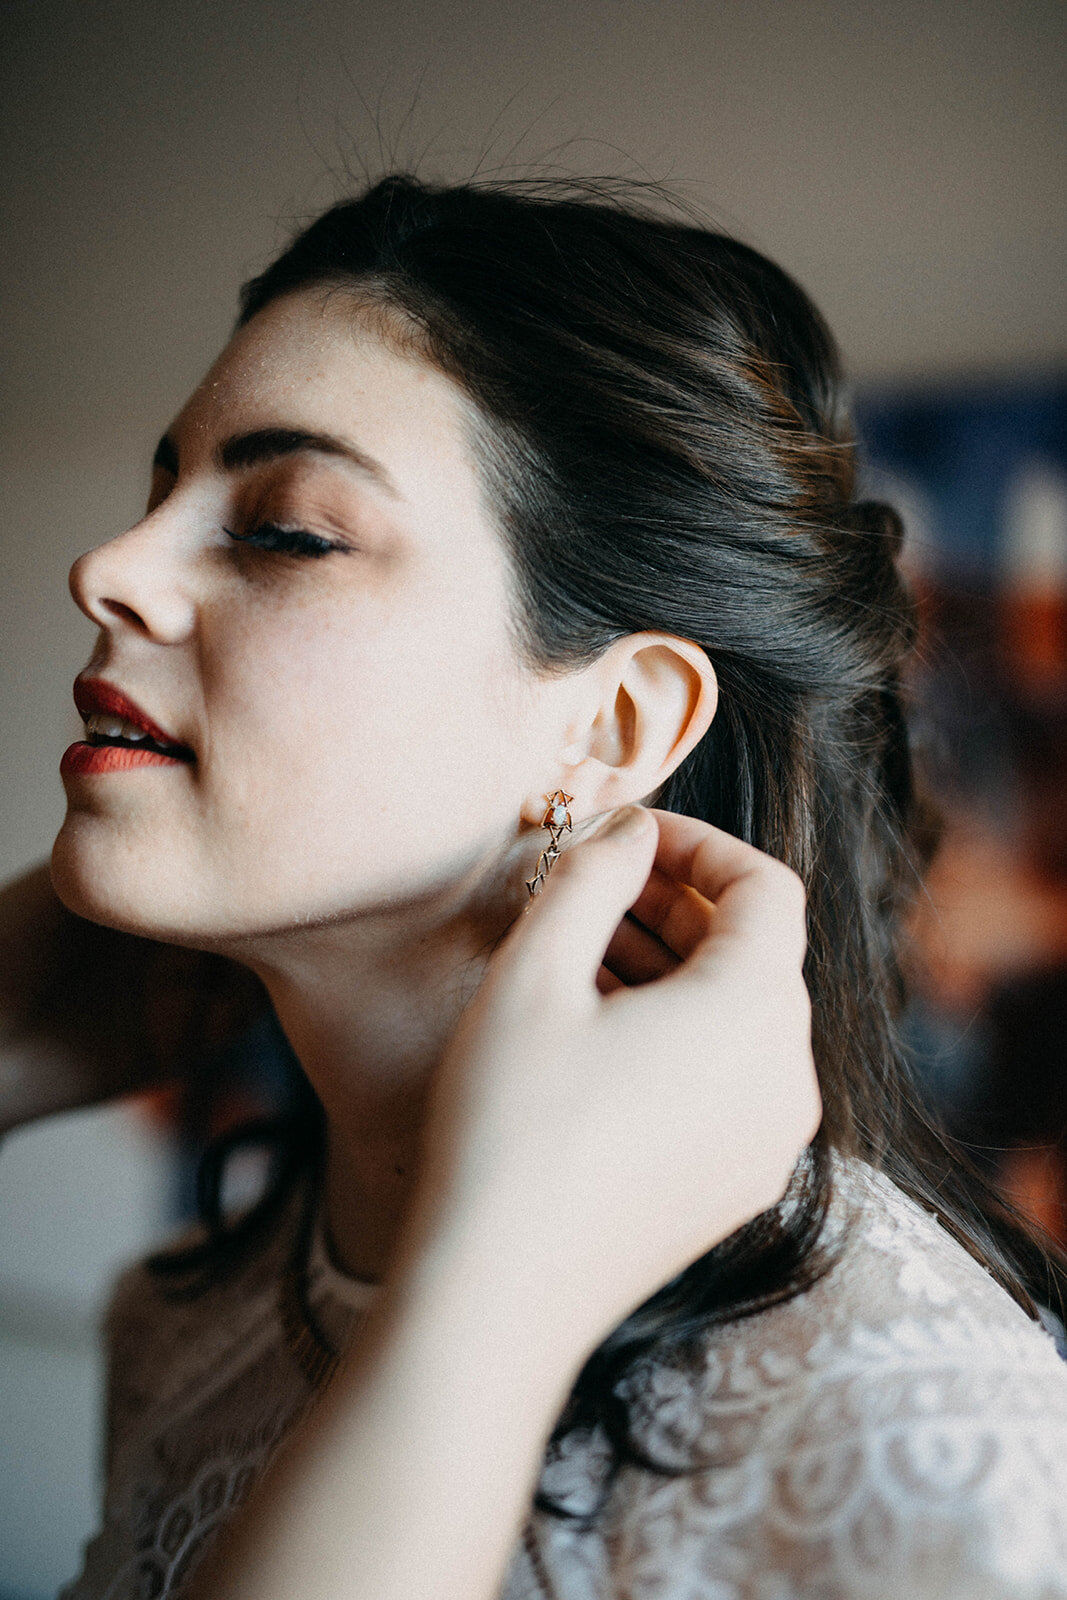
point(201, 1389)
point(900, 1427)
point(168, 1333)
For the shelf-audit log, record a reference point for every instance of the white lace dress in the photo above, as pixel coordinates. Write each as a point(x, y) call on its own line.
point(899, 1432)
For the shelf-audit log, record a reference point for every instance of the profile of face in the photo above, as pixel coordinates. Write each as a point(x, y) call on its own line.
point(317, 607)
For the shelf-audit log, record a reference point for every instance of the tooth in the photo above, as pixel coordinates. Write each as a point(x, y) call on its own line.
point(110, 727)
point(134, 734)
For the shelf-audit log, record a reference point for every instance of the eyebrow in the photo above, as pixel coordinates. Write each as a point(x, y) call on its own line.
point(263, 445)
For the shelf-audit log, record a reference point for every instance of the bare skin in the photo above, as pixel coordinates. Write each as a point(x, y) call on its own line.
point(371, 751)
point(530, 1234)
point(370, 756)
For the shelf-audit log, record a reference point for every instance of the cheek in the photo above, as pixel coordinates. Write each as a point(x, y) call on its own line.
point(341, 738)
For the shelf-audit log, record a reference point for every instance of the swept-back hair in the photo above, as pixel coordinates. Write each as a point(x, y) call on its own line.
point(662, 437)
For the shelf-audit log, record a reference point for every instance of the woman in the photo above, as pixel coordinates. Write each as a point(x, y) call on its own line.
point(502, 655)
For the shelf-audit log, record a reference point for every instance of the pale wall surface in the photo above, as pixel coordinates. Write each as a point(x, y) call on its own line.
point(905, 162)
point(80, 1196)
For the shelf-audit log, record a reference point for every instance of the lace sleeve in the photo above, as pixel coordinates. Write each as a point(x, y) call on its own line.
point(897, 1433)
point(906, 1472)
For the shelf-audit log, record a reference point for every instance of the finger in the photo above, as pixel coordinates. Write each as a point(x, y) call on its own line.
point(562, 941)
point(608, 982)
point(637, 955)
point(677, 915)
point(755, 896)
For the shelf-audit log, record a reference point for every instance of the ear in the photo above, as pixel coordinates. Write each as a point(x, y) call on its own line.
point(641, 708)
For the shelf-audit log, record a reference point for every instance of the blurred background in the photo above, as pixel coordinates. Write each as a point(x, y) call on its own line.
point(907, 164)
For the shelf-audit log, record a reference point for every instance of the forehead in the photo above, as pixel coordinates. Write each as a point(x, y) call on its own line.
point(320, 360)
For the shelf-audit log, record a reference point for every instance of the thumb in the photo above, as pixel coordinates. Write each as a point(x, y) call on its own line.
point(565, 933)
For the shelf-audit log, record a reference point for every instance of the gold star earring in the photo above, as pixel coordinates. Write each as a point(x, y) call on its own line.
point(557, 819)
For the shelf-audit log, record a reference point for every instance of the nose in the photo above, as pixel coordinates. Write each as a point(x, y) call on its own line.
point(138, 581)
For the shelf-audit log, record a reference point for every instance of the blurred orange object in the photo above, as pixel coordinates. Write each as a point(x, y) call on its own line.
point(985, 915)
point(1032, 1177)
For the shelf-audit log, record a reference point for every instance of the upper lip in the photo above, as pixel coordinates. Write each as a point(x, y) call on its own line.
point(95, 696)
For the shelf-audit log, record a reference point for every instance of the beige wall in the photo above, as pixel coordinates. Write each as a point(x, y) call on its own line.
point(906, 161)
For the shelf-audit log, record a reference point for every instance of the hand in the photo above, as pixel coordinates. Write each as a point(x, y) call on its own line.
point(625, 1090)
point(621, 1093)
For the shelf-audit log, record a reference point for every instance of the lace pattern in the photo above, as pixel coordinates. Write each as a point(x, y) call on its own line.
point(900, 1430)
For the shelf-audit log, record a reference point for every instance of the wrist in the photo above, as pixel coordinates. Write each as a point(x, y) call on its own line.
point(482, 1288)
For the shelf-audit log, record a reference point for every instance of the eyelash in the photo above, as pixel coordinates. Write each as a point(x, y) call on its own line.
point(290, 541)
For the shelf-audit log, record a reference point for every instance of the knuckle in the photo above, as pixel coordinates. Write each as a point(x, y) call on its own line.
point(815, 1118)
point(791, 886)
point(792, 896)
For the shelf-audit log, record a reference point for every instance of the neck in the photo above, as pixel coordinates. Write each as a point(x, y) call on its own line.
point(369, 1005)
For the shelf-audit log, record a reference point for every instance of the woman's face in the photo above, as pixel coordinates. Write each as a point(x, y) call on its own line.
point(316, 606)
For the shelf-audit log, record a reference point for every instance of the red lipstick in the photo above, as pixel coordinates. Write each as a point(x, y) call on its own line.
point(80, 760)
point(111, 753)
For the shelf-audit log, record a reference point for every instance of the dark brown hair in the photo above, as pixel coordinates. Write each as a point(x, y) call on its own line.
point(663, 436)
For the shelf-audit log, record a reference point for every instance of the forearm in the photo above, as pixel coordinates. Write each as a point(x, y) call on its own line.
point(44, 952)
point(414, 1473)
point(87, 1013)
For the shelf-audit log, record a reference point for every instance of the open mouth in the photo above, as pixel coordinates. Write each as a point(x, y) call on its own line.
point(119, 735)
point(104, 730)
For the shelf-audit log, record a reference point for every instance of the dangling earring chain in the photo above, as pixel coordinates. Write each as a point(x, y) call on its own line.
point(557, 819)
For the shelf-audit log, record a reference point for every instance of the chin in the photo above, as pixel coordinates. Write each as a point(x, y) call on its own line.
point(106, 885)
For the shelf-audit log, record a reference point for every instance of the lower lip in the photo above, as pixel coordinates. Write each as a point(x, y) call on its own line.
point(83, 760)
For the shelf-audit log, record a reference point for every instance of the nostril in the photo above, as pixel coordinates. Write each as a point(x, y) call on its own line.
point(123, 612)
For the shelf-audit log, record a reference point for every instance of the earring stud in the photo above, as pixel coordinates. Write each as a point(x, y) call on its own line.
point(557, 819)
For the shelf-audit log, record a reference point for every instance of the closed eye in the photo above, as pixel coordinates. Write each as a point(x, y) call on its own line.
point(292, 541)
